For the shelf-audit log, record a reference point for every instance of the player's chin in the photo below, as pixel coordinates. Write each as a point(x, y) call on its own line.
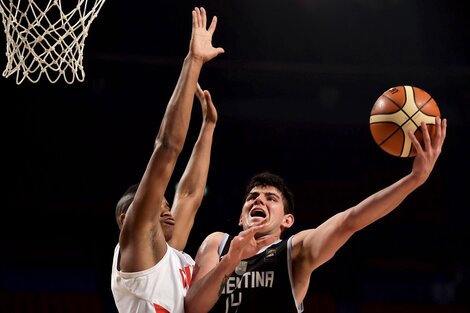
point(167, 231)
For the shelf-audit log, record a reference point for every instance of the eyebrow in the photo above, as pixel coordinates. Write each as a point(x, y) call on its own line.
point(267, 193)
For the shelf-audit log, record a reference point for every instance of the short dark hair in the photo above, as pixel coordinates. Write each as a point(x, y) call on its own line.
point(125, 201)
point(265, 179)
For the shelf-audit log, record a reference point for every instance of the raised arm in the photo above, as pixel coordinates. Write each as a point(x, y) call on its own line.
point(141, 240)
point(191, 187)
point(311, 248)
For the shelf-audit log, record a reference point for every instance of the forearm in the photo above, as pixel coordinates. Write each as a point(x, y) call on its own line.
point(194, 179)
point(382, 202)
point(179, 108)
point(204, 293)
point(190, 191)
point(321, 244)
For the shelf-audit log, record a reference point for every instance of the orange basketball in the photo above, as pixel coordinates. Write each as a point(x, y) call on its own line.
point(396, 112)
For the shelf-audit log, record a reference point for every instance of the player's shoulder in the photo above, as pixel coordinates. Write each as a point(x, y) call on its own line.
point(300, 236)
point(212, 241)
point(215, 237)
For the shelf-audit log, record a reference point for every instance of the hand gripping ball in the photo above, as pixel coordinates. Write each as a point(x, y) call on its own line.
point(400, 110)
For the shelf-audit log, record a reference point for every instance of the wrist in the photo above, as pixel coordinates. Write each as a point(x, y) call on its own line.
point(229, 263)
point(190, 57)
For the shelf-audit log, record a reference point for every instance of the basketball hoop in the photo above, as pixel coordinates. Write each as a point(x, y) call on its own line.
point(47, 39)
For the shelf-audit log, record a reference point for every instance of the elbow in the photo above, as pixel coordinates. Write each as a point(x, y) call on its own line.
point(349, 224)
point(173, 147)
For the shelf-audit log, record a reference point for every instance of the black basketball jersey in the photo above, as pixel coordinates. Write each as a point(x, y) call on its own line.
point(261, 283)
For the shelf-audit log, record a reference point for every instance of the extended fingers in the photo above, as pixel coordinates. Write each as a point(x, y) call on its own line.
point(204, 96)
point(426, 136)
point(199, 93)
point(444, 129)
point(249, 233)
point(213, 25)
point(441, 129)
point(208, 97)
point(199, 18)
point(415, 142)
point(203, 18)
point(434, 143)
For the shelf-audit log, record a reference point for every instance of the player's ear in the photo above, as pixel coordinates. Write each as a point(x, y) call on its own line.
point(122, 216)
point(287, 221)
point(240, 222)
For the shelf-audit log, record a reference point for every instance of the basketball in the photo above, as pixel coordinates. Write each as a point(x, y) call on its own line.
point(396, 112)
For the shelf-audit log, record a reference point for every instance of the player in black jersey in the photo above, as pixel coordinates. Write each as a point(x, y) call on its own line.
point(257, 271)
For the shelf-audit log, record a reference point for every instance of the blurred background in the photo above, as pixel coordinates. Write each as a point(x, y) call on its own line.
point(294, 91)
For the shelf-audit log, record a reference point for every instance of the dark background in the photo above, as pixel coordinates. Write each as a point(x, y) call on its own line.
point(294, 92)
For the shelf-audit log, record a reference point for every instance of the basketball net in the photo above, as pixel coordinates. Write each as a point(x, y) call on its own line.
point(46, 40)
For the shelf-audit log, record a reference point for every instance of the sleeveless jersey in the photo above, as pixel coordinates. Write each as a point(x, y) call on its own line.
point(159, 289)
point(262, 283)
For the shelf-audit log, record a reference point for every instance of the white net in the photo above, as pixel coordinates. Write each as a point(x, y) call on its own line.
point(47, 39)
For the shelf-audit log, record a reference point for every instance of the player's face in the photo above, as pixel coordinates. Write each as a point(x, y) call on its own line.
point(166, 220)
point(264, 205)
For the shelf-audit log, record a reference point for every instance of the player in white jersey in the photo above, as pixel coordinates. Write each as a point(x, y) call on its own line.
point(159, 289)
point(150, 272)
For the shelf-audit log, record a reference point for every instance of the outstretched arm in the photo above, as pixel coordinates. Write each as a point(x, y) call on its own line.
point(141, 240)
point(191, 187)
point(316, 246)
